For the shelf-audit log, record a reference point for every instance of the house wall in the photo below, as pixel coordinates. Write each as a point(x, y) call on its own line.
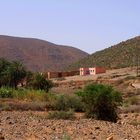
point(100, 70)
point(53, 75)
point(92, 71)
point(50, 75)
point(84, 71)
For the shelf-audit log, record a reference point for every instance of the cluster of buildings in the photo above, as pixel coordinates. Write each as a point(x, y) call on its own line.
point(81, 71)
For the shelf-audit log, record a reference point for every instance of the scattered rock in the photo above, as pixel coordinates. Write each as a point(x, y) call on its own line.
point(27, 128)
point(1, 136)
point(110, 137)
point(7, 118)
point(96, 128)
point(125, 115)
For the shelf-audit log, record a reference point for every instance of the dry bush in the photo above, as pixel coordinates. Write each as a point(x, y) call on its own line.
point(66, 102)
point(34, 106)
point(134, 100)
point(61, 115)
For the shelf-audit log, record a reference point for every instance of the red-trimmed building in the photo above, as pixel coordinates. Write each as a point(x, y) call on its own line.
point(92, 71)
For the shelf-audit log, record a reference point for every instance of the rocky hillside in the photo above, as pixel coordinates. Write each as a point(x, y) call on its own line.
point(121, 55)
point(39, 55)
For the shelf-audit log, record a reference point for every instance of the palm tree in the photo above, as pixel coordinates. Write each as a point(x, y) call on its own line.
point(16, 73)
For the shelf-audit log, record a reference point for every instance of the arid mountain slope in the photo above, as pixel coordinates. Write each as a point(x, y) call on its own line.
point(38, 55)
point(124, 54)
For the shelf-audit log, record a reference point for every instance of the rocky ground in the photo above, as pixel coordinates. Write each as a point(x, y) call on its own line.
point(35, 126)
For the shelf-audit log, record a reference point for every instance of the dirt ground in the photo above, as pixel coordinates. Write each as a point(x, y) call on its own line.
point(116, 78)
point(34, 125)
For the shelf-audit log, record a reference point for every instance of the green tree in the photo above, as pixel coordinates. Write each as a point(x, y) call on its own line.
point(101, 101)
point(16, 73)
point(4, 64)
point(11, 73)
point(38, 81)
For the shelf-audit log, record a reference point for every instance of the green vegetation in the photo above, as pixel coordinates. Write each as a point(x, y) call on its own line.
point(14, 73)
point(124, 54)
point(6, 92)
point(97, 100)
point(11, 73)
point(23, 94)
point(22, 89)
point(67, 102)
point(38, 81)
point(101, 101)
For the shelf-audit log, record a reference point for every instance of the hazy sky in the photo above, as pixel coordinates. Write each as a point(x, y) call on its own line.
point(89, 25)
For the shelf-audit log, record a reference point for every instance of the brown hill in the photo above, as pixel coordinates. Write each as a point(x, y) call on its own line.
point(38, 55)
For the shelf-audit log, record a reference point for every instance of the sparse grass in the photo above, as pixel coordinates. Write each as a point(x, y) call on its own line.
point(66, 102)
point(66, 137)
point(23, 99)
point(130, 78)
point(131, 109)
point(4, 107)
point(134, 100)
point(23, 106)
point(61, 115)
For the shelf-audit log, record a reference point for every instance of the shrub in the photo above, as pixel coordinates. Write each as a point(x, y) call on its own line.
point(34, 106)
point(101, 101)
point(30, 94)
point(66, 102)
point(6, 92)
point(23, 106)
point(61, 115)
point(23, 94)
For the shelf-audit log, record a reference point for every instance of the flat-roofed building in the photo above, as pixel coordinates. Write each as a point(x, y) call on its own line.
point(92, 71)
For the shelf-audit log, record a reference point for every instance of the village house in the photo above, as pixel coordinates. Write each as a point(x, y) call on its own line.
point(92, 71)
